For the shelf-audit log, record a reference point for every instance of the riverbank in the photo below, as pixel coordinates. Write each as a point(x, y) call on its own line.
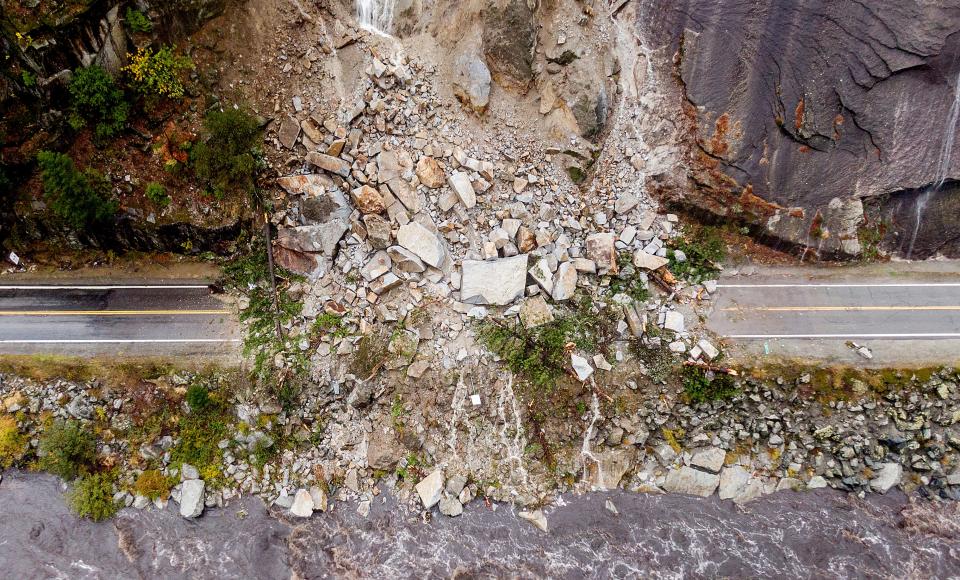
point(822, 534)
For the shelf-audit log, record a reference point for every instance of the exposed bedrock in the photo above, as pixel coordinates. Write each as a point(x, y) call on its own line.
point(802, 107)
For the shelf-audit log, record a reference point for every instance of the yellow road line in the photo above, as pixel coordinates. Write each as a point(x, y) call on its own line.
point(110, 312)
point(840, 308)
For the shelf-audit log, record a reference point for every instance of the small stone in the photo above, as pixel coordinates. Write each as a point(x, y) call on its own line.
point(647, 261)
point(329, 163)
point(817, 482)
point(319, 498)
point(535, 312)
point(602, 250)
point(405, 260)
point(565, 282)
point(708, 349)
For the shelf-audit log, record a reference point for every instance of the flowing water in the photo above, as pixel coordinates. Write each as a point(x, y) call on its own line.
point(376, 15)
point(822, 534)
point(943, 165)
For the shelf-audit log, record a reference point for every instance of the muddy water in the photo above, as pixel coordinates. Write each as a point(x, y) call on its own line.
point(812, 535)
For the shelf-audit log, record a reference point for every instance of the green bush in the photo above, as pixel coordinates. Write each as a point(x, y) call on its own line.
point(227, 159)
point(536, 354)
point(95, 98)
point(82, 198)
point(12, 444)
point(157, 194)
point(157, 74)
point(198, 397)
point(704, 250)
point(138, 21)
point(92, 497)
point(701, 386)
point(67, 449)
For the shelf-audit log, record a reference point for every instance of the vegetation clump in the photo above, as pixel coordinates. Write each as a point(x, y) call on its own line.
point(702, 386)
point(703, 249)
point(13, 444)
point(153, 484)
point(158, 74)
point(67, 449)
point(95, 98)
point(227, 160)
point(536, 354)
point(81, 198)
point(92, 497)
point(200, 431)
point(157, 194)
point(137, 21)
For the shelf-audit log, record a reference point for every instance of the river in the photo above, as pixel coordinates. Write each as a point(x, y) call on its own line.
point(822, 534)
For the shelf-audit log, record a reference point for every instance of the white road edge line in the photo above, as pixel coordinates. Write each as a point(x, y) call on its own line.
point(931, 285)
point(849, 335)
point(120, 287)
point(117, 341)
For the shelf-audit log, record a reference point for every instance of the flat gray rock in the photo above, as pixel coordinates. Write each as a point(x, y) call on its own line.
point(496, 282)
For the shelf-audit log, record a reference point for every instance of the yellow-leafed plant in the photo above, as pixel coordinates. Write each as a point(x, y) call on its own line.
point(158, 73)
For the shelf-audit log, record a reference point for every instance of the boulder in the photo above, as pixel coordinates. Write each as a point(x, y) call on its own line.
point(710, 459)
point(733, 482)
point(378, 231)
point(509, 37)
point(424, 243)
point(368, 200)
point(321, 238)
point(536, 518)
point(647, 261)
point(378, 265)
point(405, 261)
point(289, 132)
point(460, 183)
point(451, 507)
point(319, 498)
point(886, 477)
point(430, 489)
point(471, 82)
point(601, 249)
point(430, 173)
point(564, 282)
point(497, 282)
point(383, 451)
point(329, 163)
point(691, 481)
point(302, 504)
point(191, 498)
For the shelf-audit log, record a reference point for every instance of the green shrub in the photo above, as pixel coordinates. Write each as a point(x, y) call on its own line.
point(138, 21)
point(704, 250)
point(29, 79)
point(198, 397)
point(12, 444)
point(82, 198)
point(153, 484)
point(157, 74)
point(95, 98)
point(92, 497)
point(701, 385)
point(157, 194)
point(227, 159)
point(536, 354)
point(67, 449)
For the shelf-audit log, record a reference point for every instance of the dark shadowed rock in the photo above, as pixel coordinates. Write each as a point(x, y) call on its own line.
point(509, 35)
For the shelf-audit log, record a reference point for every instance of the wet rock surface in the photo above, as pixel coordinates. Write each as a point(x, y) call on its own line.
point(840, 101)
point(822, 534)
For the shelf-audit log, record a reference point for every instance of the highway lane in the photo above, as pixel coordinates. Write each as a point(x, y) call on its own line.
point(814, 313)
point(130, 319)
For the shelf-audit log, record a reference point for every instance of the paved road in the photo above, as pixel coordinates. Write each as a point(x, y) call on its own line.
point(129, 319)
point(913, 317)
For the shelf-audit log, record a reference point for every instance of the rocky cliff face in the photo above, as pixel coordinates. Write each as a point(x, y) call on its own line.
point(804, 111)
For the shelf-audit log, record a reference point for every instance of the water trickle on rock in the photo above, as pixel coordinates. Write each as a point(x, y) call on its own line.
point(376, 15)
point(943, 165)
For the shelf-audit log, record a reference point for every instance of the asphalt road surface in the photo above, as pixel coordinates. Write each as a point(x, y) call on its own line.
point(129, 319)
point(814, 313)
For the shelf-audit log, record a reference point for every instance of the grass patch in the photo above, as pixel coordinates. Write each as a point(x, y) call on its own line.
point(629, 281)
point(153, 484)
point(200, 432)
point(704, 250)
point(13, 445)
point(538, 355)
point(92, 497)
